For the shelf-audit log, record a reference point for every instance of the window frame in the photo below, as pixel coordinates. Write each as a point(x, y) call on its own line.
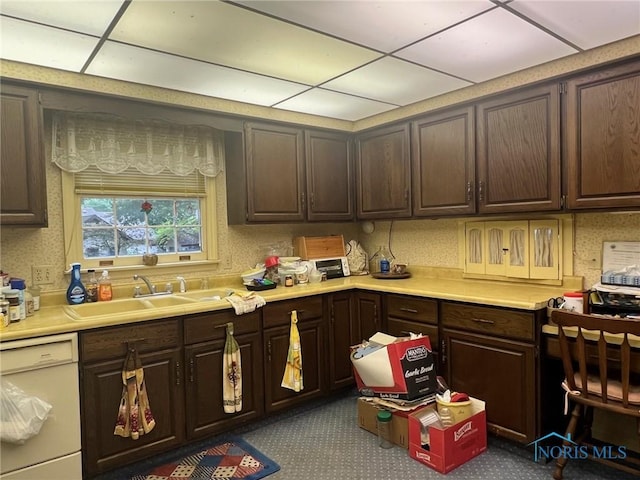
point(72, 226)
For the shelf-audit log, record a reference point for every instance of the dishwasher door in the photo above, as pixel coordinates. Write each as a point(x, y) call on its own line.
point(45, 367)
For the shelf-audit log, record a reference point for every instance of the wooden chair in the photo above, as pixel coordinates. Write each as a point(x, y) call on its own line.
point(604, 386)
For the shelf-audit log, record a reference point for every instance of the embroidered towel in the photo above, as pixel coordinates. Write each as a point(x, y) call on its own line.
point(231, 374)
point(245, 303)
point(134, 412)
point(292, 378)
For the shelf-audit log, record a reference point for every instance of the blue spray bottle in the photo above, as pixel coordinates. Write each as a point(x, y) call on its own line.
point(76, 293)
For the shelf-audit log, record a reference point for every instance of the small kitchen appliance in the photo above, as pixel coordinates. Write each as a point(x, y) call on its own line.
point(336, 267)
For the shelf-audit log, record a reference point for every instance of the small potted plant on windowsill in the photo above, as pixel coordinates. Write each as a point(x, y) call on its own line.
point(149, 259)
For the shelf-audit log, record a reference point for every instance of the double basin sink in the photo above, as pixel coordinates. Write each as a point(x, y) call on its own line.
point(90, 311)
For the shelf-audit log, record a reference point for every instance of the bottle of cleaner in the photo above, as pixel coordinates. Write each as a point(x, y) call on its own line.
point(76, 293)
point(105, 292)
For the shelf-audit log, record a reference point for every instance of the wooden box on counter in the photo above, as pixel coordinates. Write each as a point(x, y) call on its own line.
point(308, 248)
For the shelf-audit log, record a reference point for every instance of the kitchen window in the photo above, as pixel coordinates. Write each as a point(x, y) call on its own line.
point(134, 188)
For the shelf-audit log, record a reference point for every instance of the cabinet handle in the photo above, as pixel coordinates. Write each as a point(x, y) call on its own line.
point(406, 196)
point(481, 191)
point(302, 201)
point(469, 192)
point(443, 351)
point(269, 351)
point(312, 199)
point(407, 309)
point(191, 370)
point(375, 315)
point(482, 320)
point(178, 373)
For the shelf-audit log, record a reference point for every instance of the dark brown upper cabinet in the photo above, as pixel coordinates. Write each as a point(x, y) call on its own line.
point(602, 140)
point(275, 173)
point(285, 174)
point(329, 173)
point(383, 173)
point(22, 165)
point(443, 163)
point(518, 151)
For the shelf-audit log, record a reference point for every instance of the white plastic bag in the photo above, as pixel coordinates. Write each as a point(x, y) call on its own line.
point(356, 258)
point(22, 415)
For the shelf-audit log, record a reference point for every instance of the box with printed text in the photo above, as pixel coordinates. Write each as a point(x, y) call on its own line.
point(450, 447)
point(396, 368)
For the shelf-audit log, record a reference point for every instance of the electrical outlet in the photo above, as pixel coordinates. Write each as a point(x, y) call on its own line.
point(42, 274)
point(227, 261)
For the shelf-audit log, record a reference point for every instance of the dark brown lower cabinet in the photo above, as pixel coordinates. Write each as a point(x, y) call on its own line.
point(103, 352)
point(311, 325)
point(342, 334)
point(204, 337)
point(491, 353)
point(499, 372)
point(368, 312)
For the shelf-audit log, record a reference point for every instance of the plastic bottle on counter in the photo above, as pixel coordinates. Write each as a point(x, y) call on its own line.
point(76, 293)
point(105, 292)
point(92, 286)
point(35, 293)
point(19, 285)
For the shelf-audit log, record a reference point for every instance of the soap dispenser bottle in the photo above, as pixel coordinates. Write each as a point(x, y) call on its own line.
point(76, 293)
point(105, 292)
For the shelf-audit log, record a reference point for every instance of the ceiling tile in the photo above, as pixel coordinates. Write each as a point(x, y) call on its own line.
point(586, 24)
point(334, 105)
point(46, 46)
point(92, 17)
point(227, 35)
point(395, 81)
point(385, 26)
point(153, 68)
point(490, 45)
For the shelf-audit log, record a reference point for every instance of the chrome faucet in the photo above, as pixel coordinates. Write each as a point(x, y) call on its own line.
point(183, 284)
point(152, 288)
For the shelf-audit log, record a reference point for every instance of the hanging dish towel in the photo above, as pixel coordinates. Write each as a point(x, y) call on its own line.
point(134, 413)
point(292, 377)
point(231, 374)
point(245, 303)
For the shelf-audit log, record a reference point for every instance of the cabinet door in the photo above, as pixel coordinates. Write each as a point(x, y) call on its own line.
point(518, 156)
point(383, 173)
point(101, 393)
point(342, 335)
point(276, 347)
point(22, 166)
point(602, 138)
point(275, 173)
point(203, 363)
point(368, 308)
point(544, 249)
point(329, 175)
point(507, 248)
point(499, 372)
point(443, 163)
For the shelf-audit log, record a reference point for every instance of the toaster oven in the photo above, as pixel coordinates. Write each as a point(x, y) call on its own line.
point(334, 267)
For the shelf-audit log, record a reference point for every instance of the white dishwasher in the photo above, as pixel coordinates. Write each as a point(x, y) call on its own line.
point(47, 368)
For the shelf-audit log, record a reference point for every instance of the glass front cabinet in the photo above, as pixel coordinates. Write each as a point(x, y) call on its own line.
point(518, 249)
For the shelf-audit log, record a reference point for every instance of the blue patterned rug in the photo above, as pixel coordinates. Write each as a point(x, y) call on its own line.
point(232, 459)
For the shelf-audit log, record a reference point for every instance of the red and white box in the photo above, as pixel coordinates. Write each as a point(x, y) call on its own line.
point(398, 368)
point(450, 447)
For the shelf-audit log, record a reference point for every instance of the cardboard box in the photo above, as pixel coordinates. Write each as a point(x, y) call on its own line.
point(367, 413)
point(450, 447)
point(309, 248)
point(401, 368)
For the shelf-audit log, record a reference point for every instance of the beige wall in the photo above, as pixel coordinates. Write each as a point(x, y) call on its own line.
point(420, 242)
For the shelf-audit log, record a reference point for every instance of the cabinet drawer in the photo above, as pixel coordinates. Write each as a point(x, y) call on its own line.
point(493, 321)
point(107, 343)
point(279, 313)
point(203, 328)
point(416, 309)
point(400, 328)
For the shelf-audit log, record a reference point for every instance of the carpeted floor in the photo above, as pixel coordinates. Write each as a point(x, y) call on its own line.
point(322, 441)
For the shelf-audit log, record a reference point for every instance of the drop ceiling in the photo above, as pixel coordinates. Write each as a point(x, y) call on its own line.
point(346, 60)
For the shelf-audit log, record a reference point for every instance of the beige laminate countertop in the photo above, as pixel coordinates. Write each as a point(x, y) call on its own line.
point(53, 319)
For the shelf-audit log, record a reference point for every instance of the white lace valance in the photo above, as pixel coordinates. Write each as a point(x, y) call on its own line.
point(114, 144)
